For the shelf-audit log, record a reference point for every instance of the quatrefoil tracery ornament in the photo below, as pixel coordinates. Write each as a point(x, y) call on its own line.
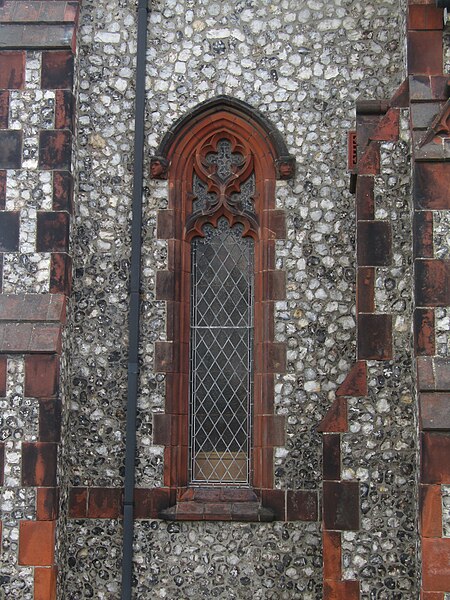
point(223, 164)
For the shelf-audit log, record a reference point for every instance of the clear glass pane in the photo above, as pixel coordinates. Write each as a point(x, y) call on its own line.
point(221, 355)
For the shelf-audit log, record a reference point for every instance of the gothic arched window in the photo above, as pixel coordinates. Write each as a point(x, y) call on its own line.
point(219, 426)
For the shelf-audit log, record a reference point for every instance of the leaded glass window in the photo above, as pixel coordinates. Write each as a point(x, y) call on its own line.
point(221, 355)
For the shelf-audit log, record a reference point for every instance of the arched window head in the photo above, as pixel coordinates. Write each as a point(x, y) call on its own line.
point(219, 427)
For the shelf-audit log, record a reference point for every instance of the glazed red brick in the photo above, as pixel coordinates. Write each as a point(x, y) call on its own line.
point(47, 504)
point(341, 590)
point(423, 234)
point(435, 463)
point(369, 163)
point(41, 375)
point(432, 282)
point(62, 191)
point(49, 420)
point(45, 583)
point(365, 289)
point(55, 149)
point(78, 497)
point(335, 419)
point(430, 511)
point(269, 430)
point(388, 127)
point(436, 564)
point(64, 110)
point(355, 384)
point(39, 464)
point(425, 17)
point(12, 69)
point(60, 273)
point(332, 555)
point(435, 410)
point(104, 503)
point(424, 341)
point(431, 185)
point(36, 543)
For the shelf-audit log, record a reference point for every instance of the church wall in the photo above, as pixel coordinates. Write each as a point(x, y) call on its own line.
point(347, 395)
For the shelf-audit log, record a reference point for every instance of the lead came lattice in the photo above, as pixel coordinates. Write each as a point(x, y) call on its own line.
point(221, 355)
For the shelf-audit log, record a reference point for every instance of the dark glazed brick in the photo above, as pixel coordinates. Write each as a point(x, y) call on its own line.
point(60, 273)
point(12, 70)
point(104, 503)
point(47, 504)
point(57, 70)
point(2, 190)
point(374, 243)
point(148, 503)
point(302, 505)
point(64, 110)
point(432, 282)
point(435, 410)
point(55, 149)
point(4, 109)
point(431, 185)
point(275, 500)
point(274, 283)
point(435, 458)
point(388, 127)
point(49, 420)
point(3, 367)
point(341, 505)
point(39, 464)
point(365, 299)
point(41, 376)
point(425, 373)
point(52, 232)
point(332, 555)
point(369, 163)
point(425, 52)
point(424, 113)
point(424, 340)
point(165, 285)
point(365, 202)
point(9, 231)
point(442, 373)
point(10, 149)
point(269, 431)
point(374, 337)
point(2, 462)
point(423, 234)
point(62, 191)
point(78, 503)
point(331, 456)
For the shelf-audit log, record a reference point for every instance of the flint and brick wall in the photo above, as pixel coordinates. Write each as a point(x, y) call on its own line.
point(37, 109)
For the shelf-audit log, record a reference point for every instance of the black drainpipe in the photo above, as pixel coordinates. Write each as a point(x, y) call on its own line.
point(133, 318)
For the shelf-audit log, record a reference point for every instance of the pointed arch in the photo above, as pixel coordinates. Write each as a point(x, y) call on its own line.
point(221, 160)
